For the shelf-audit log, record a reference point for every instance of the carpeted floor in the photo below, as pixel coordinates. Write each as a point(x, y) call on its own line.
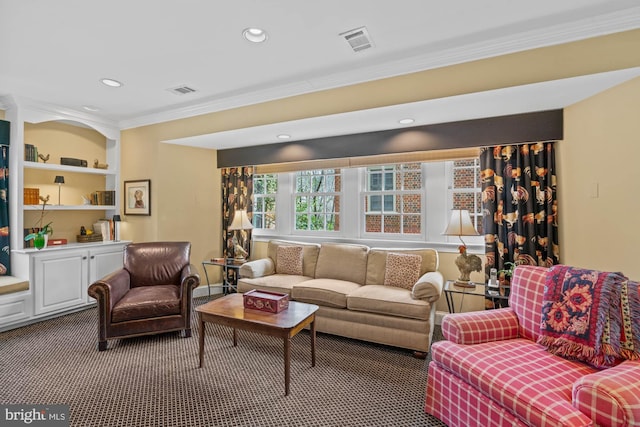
point(155, 381)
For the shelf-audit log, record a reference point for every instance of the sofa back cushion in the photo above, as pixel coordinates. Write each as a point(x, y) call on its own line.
point(527, 292)
point(377, 262)
point(342, 261)
point(309, 254)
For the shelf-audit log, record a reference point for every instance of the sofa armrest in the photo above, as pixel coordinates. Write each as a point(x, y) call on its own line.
point(258, 268)
point(480, 326)
point(108, 290)
point(189, 280)
point(610, 397)
point(428, 287)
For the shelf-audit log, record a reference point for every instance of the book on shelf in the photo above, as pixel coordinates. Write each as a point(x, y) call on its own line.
point(103, 227)
point(30, 153)
point(103, 197)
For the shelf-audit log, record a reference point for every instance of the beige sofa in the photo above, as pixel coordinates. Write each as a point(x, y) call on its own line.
point(348, 283)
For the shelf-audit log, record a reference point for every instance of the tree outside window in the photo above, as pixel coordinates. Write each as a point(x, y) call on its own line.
point(317, 200)
point(265, 187)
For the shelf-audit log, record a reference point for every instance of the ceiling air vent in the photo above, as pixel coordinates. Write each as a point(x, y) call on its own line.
point(181, 90)
point(358, 39)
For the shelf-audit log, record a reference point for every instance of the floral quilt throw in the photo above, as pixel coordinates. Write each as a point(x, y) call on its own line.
point(591, 316)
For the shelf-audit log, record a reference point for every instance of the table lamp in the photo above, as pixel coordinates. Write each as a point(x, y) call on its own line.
point(240, 222)
point(460, 225)
point(59, 180)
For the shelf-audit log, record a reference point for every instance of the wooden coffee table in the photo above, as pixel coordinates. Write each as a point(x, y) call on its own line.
point(229, 311)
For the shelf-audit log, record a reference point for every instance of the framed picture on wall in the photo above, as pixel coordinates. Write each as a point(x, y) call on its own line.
point(137, 197)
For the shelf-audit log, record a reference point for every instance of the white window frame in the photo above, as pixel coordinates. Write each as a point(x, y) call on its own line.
point(365, 196)
point(295, 194)
point(257, 196)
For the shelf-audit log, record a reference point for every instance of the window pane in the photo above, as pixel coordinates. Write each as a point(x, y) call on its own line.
point(302, 204)
point(373, 223)
point(269, 204)
point(257, 220)
point(302, 222)
point(317, 222)
point(411, 203)
point(389, 205)
point(316, 204)
point(258, 205)
point(411, 224)
point(303, 184)
point(317, 184)
point(389, 180)
point(375, 203)
point(375, 182)
point(392, 223)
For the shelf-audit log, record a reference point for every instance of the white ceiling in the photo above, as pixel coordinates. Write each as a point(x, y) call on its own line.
point(57, 51)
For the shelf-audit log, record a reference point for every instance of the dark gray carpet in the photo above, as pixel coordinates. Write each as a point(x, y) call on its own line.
point(155, 380)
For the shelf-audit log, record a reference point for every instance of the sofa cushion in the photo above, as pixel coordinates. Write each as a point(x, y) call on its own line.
point(289, 260)
point(341, 261)
point(282, 283)
point(525, 299)
point(388, 300)
point(521, 375)
point(309, 254)
point(327, 292)
point(402, 270)
point(143, 302)
point(377, 262)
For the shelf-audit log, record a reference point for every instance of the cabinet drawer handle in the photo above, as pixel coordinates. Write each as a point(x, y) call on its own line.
point(84, 257)
point(93, 256)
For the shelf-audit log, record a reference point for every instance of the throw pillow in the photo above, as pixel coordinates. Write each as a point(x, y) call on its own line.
point(402, 270)
point(289, 260)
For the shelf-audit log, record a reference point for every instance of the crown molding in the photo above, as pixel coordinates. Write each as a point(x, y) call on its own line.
point(435, 57)
point(36, 112)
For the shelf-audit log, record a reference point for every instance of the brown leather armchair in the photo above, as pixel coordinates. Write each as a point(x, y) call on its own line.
point(149, 295)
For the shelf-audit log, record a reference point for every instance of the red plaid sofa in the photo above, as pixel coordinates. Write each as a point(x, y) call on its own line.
point(490, 372)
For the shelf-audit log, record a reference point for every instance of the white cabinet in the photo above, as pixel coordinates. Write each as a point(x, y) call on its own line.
point(60, 277)
point(59, 280)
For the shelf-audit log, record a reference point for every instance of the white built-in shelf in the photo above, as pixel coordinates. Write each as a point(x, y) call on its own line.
point(66, 168)
point(69, 207)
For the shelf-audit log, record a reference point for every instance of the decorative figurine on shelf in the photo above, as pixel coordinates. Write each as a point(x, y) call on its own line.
point(44, 158)
point(98, 165)
point(83, 231)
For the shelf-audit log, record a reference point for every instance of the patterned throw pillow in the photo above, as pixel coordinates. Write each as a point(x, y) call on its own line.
point(402, 270)
point(289, 260)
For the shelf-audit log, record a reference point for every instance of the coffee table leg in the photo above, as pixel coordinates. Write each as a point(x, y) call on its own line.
point(201, 353)
point(287, 364)
point(313, 342)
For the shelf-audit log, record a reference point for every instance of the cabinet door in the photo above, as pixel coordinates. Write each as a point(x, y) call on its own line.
point(103, 262)
point(60, 280)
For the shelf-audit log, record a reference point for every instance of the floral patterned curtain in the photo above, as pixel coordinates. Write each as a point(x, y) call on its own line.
point(520, 209)
point(237, 193)
point(5, 253)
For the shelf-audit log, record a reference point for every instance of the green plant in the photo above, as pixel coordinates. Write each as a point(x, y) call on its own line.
point(43, 229)
point(507, 272)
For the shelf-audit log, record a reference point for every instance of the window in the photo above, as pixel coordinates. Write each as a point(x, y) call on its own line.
point(317, 200)
point(466, 190)
point(393, 199)
point(265, 187)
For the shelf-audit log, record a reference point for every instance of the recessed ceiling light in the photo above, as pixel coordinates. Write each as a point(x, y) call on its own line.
point(284, 136)
point(255, 35)
point(406, 121)
point(111, 82)
point(90, 108)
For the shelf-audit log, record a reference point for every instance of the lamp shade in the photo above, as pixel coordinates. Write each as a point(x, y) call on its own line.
point(460, 224)
point(59, 179)
point(241, 221)
point(116, 218)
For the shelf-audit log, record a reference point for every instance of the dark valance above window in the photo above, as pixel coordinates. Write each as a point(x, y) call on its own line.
point(420, 143)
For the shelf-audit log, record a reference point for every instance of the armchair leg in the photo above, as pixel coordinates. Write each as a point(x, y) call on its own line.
point(187, 333)
point(102, 345)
